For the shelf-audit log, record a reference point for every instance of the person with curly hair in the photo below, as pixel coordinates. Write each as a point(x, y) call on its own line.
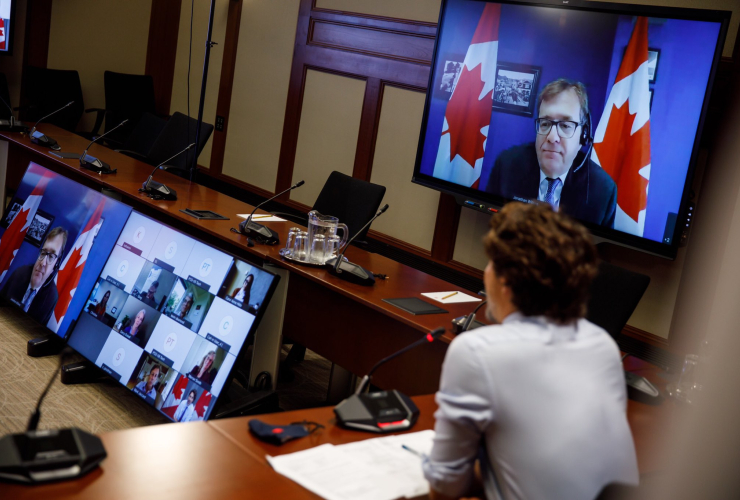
point(538, 402)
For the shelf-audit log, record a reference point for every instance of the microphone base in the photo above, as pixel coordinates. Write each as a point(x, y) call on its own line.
point(50, 455)
point(96, 165)
point(45, 141)
point(158, 191)
point(378, 412)
point(262, 234)
point(48, 345)
point(353, 273)
point(13, 125)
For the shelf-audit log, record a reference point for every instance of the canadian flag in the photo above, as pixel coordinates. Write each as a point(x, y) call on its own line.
point(73, 266)
point(173, 400)
point(2, 34)
point(622, 139)
point(16, 232)
point(201, 407)
point(468, 113)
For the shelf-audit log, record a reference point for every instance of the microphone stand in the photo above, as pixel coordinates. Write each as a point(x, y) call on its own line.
point(157, 190)
point(45, 140)
point(94, 164)
point(206, 62)
point(11, 124)
point(349, 271)
point(260, 232)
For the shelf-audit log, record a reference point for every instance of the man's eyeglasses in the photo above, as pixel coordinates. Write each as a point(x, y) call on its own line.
point(47, 255)
point(565, 128)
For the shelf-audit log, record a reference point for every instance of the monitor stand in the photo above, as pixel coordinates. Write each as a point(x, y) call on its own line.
point(48, 345)
point(83, 372)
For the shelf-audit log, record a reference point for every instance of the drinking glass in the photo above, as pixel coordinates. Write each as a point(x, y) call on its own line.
point(333, 243)
point(290, 241)
point(318, 249)
point(300, 248)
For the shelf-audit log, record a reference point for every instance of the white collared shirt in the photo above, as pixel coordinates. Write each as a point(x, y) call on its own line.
point(558, 190)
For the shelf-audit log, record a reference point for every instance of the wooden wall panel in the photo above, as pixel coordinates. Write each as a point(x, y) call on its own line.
point(162, 50)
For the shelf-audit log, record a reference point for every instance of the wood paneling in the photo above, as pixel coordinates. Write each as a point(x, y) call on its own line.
point(38, 27)
point(161, 51)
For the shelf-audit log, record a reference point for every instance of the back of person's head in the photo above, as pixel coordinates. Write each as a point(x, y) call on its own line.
point(561, 85)
point(545, 258)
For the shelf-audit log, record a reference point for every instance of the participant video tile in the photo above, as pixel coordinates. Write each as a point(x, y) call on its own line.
point(187, 402)
point(122, 268)
point(147, 379)
point(204, 362)
point(188, 304)
point(170, 342)
point(171, 250)
point(105, 302)
point(244, 287)
point(153, 285)
point(139, 234)
point(136, 321)
point(206, 267)
point(118, 357)
point(226, 326)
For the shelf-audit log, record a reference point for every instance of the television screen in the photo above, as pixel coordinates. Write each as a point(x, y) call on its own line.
point(7, 11)
point(592, 107)
point(168, 316)
point(54, 236)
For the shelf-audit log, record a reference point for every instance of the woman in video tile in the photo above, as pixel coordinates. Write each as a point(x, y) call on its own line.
point(205, 371)
point(242, 293)
point(99, 309)
point(136, 330)
point(186, 409)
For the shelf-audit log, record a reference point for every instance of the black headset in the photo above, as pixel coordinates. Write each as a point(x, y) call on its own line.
point(587, 139)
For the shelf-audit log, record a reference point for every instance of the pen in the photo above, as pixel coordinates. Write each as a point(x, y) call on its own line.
point(411, 449)
point(262, 216)
point(448, 296)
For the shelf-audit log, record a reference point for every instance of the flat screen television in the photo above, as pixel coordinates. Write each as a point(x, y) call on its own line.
point(168, 316)
point(54, 236)
point(614, 139)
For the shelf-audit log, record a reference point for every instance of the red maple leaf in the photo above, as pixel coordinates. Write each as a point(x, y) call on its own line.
point(622, 155)
point(466, 115)
point(67, 280)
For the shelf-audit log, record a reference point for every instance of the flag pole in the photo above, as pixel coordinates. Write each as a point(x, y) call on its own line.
point(206, 62)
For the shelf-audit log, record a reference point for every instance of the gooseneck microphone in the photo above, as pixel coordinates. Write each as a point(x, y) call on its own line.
point(470, 317)
point(382, 411)
point(349, 271)
point(48, 455)
point(45, 140)
point(159, 191)
point(94, 164)
point(10, 123)
point(262, 233)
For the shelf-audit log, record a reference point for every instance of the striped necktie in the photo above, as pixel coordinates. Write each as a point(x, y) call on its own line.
point(29, 297)
point(552, 185)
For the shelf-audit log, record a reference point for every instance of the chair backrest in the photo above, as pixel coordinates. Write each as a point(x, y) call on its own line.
point(46, 90)
point(126, 97)
point(175, 136)
point(5, 95)
point(145, 133)
point(352, 201)
point(615, 293)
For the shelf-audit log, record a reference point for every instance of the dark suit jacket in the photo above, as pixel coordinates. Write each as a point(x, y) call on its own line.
point(589, 194)
point(42, 304)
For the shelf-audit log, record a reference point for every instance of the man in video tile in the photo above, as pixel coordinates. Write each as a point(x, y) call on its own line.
point(186, 409)
point(205, 371)
point(32, 287)
point(148, 297)
point(554, 169)
point(149, 385)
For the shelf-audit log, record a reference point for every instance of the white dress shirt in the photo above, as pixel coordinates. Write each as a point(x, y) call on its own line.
point(544, 403)
point(559, 189)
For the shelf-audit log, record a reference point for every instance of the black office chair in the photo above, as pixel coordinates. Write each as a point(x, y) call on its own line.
point(354, 202)
point(127, 97)
point(175, 136)
point(141, 139)
point(615, 293)
point(46, 90)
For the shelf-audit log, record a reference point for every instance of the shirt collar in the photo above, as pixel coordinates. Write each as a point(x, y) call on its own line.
point(543, 176)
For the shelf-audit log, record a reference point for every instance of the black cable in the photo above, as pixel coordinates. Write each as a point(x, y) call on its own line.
point(33, 422)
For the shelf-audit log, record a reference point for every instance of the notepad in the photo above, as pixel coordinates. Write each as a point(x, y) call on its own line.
point(262, 218)
point(415, 306)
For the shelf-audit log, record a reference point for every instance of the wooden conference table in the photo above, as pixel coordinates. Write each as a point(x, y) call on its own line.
point(221, 460)
point(345, 323)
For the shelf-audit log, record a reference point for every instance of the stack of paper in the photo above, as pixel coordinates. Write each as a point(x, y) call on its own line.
point(374, 469)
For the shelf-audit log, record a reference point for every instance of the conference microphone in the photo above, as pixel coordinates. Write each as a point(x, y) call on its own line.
point(45, 140)
point(94, 164)
point(48, 455)
point(349, 271)
point(262, 233)
point(159, 191)
point(11, 124)
point(383, 411)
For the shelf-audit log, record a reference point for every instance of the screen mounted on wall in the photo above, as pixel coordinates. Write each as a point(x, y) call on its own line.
point(592, 107)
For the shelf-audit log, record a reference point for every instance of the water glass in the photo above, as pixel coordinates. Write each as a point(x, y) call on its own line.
point(290, 241)
point(318, 249)
point(333, 243)
point(300, 247)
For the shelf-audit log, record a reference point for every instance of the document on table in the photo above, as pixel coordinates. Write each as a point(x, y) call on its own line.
point(262, 218)
point(373, 469)
point(451, 297)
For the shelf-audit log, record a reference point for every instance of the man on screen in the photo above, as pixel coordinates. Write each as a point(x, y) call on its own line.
point(32, 287)
point(552, 169)
point(149, 385)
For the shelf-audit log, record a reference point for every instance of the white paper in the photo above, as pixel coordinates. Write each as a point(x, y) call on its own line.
point(262, 218)
point(454, 299)
point(373, 469)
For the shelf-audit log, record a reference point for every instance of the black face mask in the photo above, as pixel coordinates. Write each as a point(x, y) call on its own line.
point(279, 434)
